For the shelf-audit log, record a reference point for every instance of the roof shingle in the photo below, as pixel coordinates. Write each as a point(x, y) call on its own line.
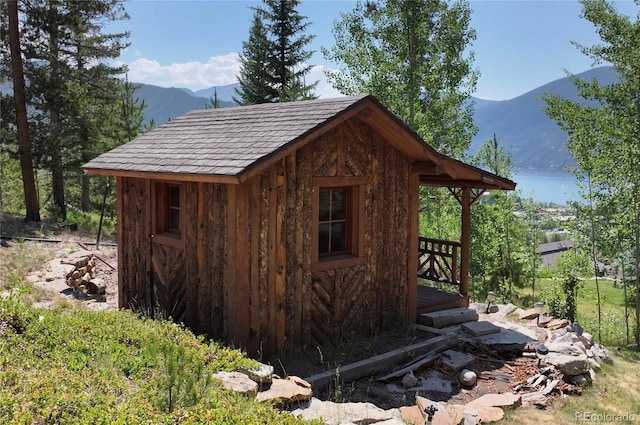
point(221, 141)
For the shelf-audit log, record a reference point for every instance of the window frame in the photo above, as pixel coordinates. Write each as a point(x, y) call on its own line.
point(161, 213)
point(353, 254)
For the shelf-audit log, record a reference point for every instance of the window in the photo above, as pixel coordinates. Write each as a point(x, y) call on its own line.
point(338, 214)
point(172, 224)
point(169, 212)
point(334, 221)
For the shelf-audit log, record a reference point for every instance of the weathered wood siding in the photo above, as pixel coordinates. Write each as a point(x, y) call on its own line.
point(134, 248)
point(280, 303)
point(244, 273)
point(160, 280)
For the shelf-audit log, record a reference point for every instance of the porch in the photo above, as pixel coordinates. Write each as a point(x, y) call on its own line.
point(439, 285)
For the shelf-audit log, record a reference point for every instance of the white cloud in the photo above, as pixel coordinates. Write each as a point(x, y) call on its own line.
point(323, 89)
point(217, 71)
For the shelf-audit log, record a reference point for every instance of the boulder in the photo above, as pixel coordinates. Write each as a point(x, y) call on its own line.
point(439, 412)
point(529, 314)
point(411, 415)
point(601, 354)
point(576, 328)
point(409, 380)
point(557, 324)
point(468, 378)
point(340, 413)
point(287, 391)
point(262, 374)
point(482, 414)
point(568, 343)
point(238, 382)
point(506, 400)
point(569, 365)
point(58, 271)
point(594, 364)
point(587, 339)
point(582, 379)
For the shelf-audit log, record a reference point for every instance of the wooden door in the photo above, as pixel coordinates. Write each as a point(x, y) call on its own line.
point(168, 282)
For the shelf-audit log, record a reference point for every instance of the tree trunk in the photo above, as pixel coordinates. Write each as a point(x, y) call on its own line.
point(85, 200)
point(24, 142)
point(637, 255)
point(57, 171)
point(55, 145)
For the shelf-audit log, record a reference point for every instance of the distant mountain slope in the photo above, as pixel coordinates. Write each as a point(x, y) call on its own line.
point(164, 104)
point(533, 140)
point(226, 93)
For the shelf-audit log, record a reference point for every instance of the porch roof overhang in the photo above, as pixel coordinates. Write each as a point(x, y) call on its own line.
point(448, 172)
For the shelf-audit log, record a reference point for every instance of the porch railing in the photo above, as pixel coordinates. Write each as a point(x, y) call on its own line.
point(438, 261)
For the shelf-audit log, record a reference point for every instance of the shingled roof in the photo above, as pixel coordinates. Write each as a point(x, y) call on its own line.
point(232, 144)
point(221, 141)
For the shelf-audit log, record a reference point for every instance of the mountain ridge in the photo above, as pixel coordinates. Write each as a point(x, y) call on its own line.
point(534, 141)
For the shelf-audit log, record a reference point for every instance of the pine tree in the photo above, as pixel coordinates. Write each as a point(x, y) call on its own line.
point(24, 142)
point(255, 61)
point(273, 60)
point(69, 80)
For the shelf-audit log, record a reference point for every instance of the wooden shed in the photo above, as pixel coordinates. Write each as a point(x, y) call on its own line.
point(279, 225)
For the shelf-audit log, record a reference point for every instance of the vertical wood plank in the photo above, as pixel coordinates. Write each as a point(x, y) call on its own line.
point(230, 273)
point(203, 299)
point(243, 287)
point(281, 257)
point(254, 255)
point(272, 260)
point(465, 240)
point(144, 239)
point(191, 235)
point(121, 241)
point(412, 266)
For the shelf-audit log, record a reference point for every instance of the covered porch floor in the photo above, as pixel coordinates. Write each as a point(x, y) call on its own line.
point(433, 299)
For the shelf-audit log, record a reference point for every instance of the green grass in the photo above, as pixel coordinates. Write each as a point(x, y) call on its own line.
point(68, 365)
point(73, 366)
point(612, 329)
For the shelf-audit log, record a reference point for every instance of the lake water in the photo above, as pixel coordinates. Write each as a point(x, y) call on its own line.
point(556, 186)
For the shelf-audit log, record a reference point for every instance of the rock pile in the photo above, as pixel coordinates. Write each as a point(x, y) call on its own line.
point(486, 368)
point(569, 359)
point(263, 384)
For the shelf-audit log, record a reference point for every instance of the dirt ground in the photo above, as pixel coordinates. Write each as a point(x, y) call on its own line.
point(31, 249)
point(496, 373)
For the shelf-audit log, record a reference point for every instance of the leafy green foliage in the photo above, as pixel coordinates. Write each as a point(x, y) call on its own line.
point(604, 139)
point(414, 57)
point(71, 366)
point(502, 241)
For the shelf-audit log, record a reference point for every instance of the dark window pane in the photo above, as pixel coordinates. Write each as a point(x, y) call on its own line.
point(323, 206)
point(338, 237)
point(323, 239)
point(338, 201)
point(174, 196)
point(174, 219)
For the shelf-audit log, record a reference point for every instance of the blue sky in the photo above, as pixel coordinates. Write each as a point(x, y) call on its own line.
point(520, 45)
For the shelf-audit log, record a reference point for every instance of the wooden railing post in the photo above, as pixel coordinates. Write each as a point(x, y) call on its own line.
point(465, 240)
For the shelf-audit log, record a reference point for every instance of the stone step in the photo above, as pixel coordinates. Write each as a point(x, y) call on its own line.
point(480, 328)
point(443, 318)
